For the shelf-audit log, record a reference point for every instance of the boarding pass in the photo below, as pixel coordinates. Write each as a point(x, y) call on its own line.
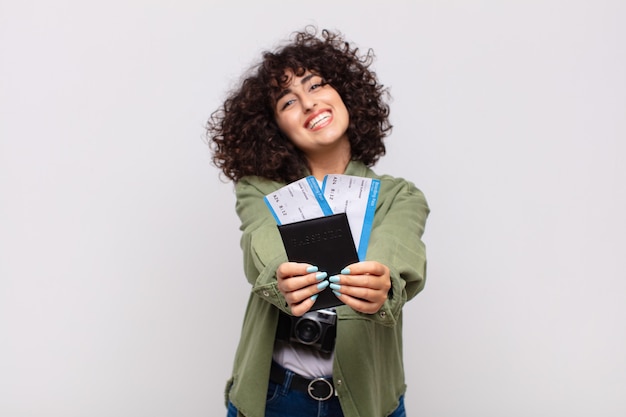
point(308, 199)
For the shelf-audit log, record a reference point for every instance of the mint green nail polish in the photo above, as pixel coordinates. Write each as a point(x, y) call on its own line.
point(335, 286)
point(311, 269)
point(314, 297)
point(334, 278)
point(321, 275)
point(337, 293)
point(322, 285)
point(345, 271)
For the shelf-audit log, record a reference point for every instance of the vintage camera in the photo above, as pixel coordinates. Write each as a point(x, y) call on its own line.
point(315, 328)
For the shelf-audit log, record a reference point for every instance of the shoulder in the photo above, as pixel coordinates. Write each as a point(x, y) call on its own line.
point(256, 185)
point(390, 186)
point(398, 185)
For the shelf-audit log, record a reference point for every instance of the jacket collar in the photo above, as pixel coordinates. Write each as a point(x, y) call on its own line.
point(356, 168)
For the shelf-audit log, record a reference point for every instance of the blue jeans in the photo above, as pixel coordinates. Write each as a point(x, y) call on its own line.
point(285, 402)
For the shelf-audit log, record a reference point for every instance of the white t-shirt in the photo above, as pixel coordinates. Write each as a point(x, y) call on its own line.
point(303, 360)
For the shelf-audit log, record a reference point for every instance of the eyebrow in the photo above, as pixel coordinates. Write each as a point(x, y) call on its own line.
point(286, 91)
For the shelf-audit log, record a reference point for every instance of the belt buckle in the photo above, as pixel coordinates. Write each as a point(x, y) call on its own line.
point(324, 384)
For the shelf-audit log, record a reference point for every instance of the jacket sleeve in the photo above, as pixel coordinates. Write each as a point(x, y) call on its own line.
point(396, 241)
point(261, 243)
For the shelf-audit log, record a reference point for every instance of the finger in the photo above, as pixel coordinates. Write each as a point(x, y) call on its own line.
point(292, 284)
point(301, 308)
point(299, 305)
point(300, 295)
point(365, 268)
point(374, 282)
point(367, 294)
point(370, 274)
point(358, 304)
point(293, 269)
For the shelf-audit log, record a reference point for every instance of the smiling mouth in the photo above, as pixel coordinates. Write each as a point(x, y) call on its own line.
point(318, 120)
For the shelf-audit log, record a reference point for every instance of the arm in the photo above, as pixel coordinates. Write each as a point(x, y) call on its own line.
point(395, 270)
point(260, 241)
point(289, 286)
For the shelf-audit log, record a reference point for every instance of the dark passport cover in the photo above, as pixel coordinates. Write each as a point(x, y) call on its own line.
point(325, 242)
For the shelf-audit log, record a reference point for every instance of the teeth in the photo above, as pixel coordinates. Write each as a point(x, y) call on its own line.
point(318, 119)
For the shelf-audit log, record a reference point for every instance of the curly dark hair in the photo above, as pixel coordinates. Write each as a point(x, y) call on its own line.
point(243, 134)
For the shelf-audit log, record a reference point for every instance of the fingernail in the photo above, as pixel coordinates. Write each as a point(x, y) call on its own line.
point(335, 286)
point(334, 278)
point(322, 285)
point(314, 297)
point(345, 271)
point(337, 293)
point(311, 269)
point(321, 275)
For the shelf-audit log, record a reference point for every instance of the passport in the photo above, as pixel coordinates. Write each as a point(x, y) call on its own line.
point(325, 242)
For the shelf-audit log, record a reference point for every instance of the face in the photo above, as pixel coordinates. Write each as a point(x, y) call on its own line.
point(313, 116)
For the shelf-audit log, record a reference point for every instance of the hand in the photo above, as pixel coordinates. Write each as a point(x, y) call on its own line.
point(363, 286)
point(300, 283)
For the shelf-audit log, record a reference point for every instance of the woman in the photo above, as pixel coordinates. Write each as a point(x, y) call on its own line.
point(313, 107)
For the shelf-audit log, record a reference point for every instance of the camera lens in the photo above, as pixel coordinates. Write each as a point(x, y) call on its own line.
point(307, 331)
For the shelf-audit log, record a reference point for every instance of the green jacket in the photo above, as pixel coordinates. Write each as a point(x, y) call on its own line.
point(368, 367)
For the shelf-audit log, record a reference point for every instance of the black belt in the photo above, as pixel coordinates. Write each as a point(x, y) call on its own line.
point(319, 389)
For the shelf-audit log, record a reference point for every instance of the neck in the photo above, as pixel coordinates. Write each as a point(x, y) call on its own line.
point(334, 162)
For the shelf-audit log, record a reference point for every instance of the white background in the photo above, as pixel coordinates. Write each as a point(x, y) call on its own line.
point(121, 286)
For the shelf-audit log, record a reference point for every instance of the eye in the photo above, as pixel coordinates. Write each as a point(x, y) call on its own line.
point(316, 83)
point(287, 103)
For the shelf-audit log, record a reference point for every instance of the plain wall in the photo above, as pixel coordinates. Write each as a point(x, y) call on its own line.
point(121, 285)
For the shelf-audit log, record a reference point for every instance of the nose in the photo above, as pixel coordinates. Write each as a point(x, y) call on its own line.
point(308, 104)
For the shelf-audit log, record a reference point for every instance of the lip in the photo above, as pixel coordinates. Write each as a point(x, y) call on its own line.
point(321, 124)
